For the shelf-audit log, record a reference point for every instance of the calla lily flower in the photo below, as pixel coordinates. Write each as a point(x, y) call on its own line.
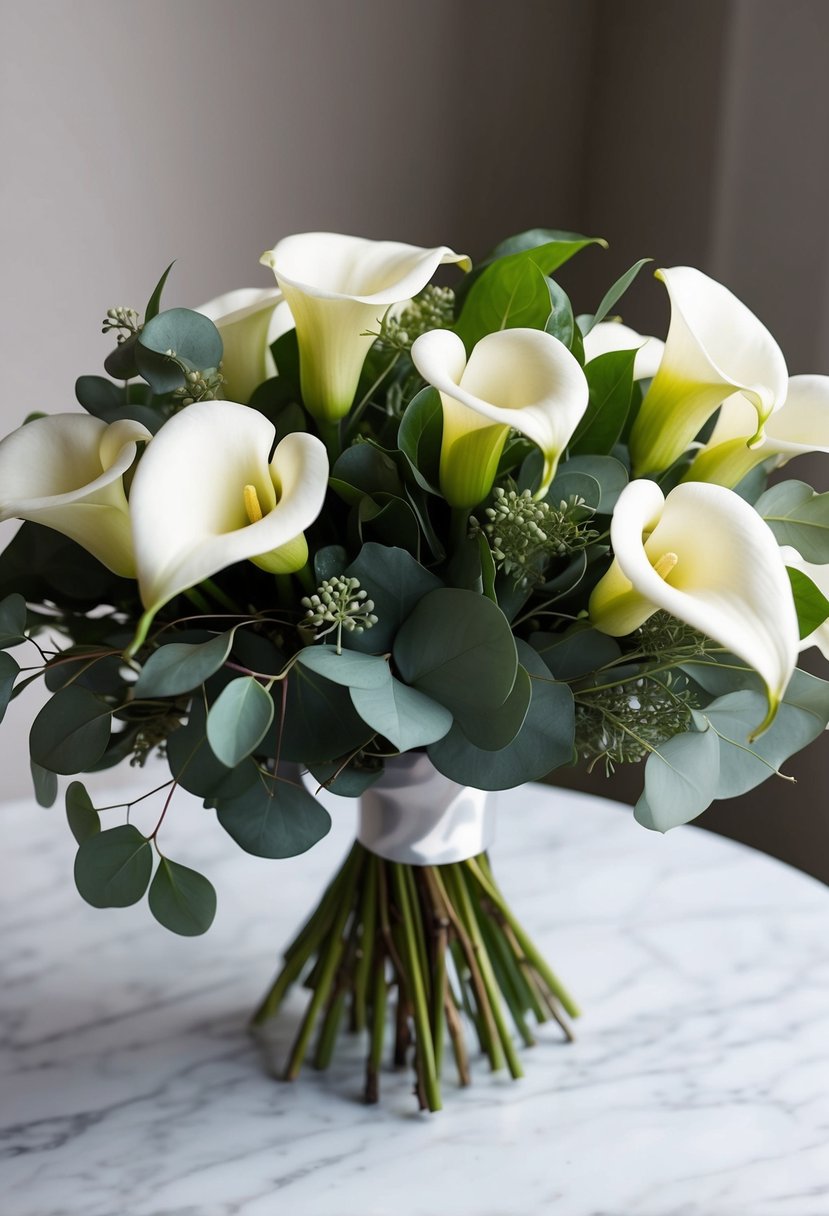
point(249, 320)
point(800, 425)
point(706, 557)
point(715, 347)
point(610, 336)
point(339, 288)
point(819, 574)
point(520, 379)
point(66, 471)
point(211, 495)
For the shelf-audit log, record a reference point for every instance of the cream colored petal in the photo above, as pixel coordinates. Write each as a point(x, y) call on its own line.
point(728, 580)
point(715, 347)
point(187, 498)
point(516, 378)
point(244, 318)
point(65, 471)
point(609, 336)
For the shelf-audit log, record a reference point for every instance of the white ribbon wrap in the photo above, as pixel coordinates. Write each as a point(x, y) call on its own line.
point(416, 816)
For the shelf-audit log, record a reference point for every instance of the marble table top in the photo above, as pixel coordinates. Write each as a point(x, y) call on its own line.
point(698, 1084)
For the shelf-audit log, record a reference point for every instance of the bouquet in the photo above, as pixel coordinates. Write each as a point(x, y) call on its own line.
point(411, 543)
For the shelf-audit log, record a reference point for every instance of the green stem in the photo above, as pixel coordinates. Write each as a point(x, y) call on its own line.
point(330, 436)
point(330, 1026)
point(220, 596)
point(307, 578)
point(365, 948)
point(458, 527)
point(450, 881)
point(378, 1029)
point(417, 993)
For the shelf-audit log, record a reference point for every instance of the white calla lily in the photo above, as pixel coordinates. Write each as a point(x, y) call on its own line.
point(609, 336)
point(211, 495)
point(704, 556)
point(800, 425)
point(249, 320)
point(66, 471)
point(819, 574)
point(339, 288)
point(715, 347)
point(520, 379)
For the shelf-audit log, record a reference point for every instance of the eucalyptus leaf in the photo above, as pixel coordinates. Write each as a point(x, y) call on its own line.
point(71, 731)
point(9, 671)
point(350, 668)
point(608, 472)
point(543, 743)
point(194, 765)
point(45, 785)
point(346, 780)
point(681, 780)
point(179, 667)
point(406, 717)
point(84, 821)
point(329, 562)
point(364, 469)
point(396, 582)
point(238, 720)
point(319, 721)
point(274, 818)
point(113, 868)
point(12, 620)
point(577, 653)
point(192, 337)
point(181, 899)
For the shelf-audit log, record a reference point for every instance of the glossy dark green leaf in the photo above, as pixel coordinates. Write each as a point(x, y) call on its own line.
point(615, 293)
point(610, 379)
point(12, 620)
point(396, 582)
point(511, 293)
point(798, 517)
point(810, 602)
point(238, 720)
point(84, 821)
point(419, 438)
point(561, 322)
point(181, 899)
point(347, 780)
point(388, 520)
point(364, 469)
point(274, 818)
point(458, 648)
point(45, 785)
point(154, 302)
point(113, 868)
point(552, 247)
point(178, 667)
point(120, 363)
point(577, 653)
point(71, 731)
point(543, 743)
point(9, 671)
point(320, 720)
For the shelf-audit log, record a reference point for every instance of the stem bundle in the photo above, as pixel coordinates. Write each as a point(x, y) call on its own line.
point(443, 943)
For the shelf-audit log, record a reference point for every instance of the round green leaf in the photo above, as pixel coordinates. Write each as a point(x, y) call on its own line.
point(12, 620)
point(71, 731)
point(238, 720)
point(84, 821)
point(181, 899)
point(274, 818)
point(179, 667)
point(194, 765)
point(396, 582)
point(406, 717)
point(45, 785)
point(113, 868)
point(681, 780)
point(350, 668)
point(192, 336)
point(9, 671)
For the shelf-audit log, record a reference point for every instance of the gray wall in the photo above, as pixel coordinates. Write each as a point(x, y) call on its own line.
point(206, 129)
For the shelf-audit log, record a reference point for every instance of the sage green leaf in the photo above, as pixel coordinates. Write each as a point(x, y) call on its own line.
point(12, 620)
point(396, 582)
point(329, 561)
point(350, 668)
point(319, 722)
point(364, 469)
point(179, 667)
point(543, 743)
point(681, 780)
point(388, 520)
point(45, 785)
point(811, 604)
point(84, 821)
point(9, 671)
point(798, 517)
point(181, 899)
point(610, 379)
point(346, 780)
point(615, 293)
point(238, 720)
point(404, 716)
point(419, 437)
point(573, 483)
point(113, 868)
point(71, 731)
point(192, 336)
point(196, 768)
point(457, 647)
point(274, 818)
point(120, 363)
point(610, 474)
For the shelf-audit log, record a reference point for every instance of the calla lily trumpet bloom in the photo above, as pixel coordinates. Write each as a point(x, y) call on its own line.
point(715, 347)
point(66, 471)
point(521, 379)
point(211, 495)
point(800, 425)
point(339, 288)
point(249, 320)
point(704, 556)
point(610, 336)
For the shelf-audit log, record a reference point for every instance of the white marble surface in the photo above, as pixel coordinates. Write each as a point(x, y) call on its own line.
point(699, 1084)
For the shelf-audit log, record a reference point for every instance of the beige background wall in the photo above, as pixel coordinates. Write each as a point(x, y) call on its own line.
point(206, 129)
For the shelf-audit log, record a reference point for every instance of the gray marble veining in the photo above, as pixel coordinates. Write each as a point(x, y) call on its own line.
point(698, 1086)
